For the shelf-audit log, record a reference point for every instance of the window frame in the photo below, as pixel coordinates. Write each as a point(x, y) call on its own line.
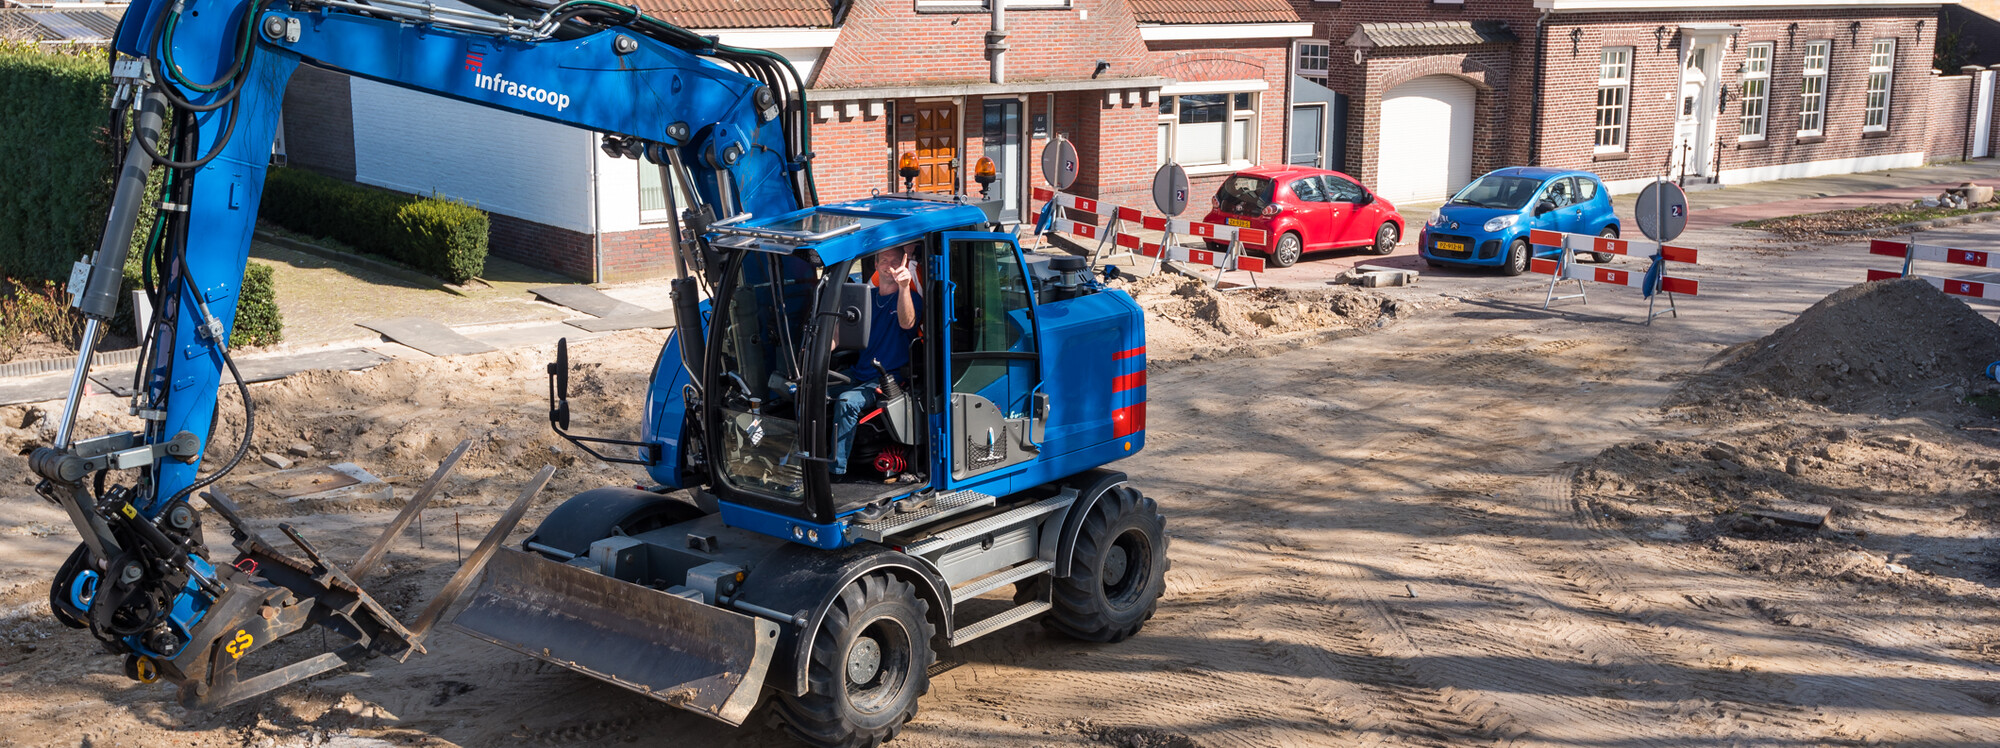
point(660, 214)
point(1172, 109)
point(1324, 55)
point(1622, 84)
point(1869, 110)
point(1763, 98)
point(1812, 103)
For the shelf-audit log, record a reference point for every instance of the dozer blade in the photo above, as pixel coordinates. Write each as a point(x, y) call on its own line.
point(694, 656)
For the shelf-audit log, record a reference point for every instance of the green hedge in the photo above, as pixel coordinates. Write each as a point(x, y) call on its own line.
point(52, 130)
point(257, 319)
point(442, 237)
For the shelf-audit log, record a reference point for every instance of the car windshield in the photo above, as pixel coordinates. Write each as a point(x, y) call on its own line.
point(1244, 194)
point(1493, 191)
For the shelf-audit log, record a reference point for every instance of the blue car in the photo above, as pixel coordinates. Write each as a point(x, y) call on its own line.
point(1487, 223)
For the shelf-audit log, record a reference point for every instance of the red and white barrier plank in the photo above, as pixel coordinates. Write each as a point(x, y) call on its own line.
point(1933, 253)
point(1616, 277)
point(1205, 257)
point(1953, 286)
point(1611, 245)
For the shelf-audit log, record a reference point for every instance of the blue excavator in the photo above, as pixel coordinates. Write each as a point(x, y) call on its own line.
point(976, 496)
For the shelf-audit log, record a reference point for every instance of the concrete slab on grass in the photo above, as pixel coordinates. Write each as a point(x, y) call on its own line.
point(587, 300)
point(427, 336)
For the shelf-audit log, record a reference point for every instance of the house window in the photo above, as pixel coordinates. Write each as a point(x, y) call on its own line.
point(1208, 129)
point(1812, 89)
point(652, 195)
point(1313, 62)
point(1756, 90)
point(1614, 95)
point(1881, 66)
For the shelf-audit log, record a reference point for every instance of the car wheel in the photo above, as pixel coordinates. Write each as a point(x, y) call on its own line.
point(1607, 232)
point(1385, 238)
point(1286, 254)
point(1517, 258)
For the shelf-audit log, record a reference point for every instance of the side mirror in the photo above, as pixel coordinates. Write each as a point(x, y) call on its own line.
point(1544, 206)
point(1367, 198)
point(559, 386)
point(855, 313)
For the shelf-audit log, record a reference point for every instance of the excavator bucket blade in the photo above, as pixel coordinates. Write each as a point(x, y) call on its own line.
point(689, 654)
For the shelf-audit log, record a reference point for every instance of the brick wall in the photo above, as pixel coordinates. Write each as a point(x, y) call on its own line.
point(541, 246)
point(636, 255)
point(319, 122)
point(1571, 88)
point(1950, 107)
point(888, 43)
point(850, 152)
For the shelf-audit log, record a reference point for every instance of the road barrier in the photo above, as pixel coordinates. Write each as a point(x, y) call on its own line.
point(1651, 282)
point(1115, 239)
point(1911, 252)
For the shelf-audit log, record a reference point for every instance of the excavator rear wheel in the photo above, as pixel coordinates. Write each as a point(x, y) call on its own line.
point(1118, 572)
point(870, 664)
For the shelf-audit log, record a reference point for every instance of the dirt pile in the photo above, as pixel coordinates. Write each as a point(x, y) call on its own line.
point(1907, 504)
point(1886, 348)
point(1186, 320)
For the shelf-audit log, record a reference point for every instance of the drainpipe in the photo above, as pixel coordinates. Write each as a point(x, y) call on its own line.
point(1535, 116)
point(996, 41)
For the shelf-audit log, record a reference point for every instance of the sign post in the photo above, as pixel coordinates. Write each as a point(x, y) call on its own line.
point(1170, 193)
point(1662, 212)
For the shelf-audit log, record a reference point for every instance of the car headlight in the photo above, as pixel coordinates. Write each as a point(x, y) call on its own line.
point(1437, 219)
point(1501, 222)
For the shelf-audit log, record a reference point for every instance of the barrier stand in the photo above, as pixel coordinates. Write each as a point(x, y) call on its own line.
point(1653, 282)
point(1562, 273)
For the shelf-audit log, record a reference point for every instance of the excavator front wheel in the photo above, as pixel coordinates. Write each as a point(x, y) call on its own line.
point(869, 667)
point(1119, 571)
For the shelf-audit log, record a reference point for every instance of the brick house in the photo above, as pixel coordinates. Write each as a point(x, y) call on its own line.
point(1704, 91)
point(1129, 82)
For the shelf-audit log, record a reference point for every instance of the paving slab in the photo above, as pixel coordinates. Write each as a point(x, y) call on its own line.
point(587, 300)
point(267, 368)
point(33, 390)
point(427, 336)
point(534, 335)
point(654, 320)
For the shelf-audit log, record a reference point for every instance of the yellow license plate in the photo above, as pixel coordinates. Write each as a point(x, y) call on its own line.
point(1450, 247)
point(1238, 222)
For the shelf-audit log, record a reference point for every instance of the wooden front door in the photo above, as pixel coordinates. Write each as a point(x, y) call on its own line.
point(937, 147)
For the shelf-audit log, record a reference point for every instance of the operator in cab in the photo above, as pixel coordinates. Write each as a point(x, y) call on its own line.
point(898, 305)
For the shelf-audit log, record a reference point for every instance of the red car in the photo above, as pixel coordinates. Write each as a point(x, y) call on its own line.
point(1304, 209)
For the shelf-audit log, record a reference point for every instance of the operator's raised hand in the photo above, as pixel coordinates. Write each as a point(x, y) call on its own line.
point(906, 285)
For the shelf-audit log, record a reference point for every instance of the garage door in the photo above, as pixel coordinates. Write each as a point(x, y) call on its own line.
point(1426, 143)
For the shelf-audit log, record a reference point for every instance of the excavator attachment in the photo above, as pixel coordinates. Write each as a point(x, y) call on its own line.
point(682, 651)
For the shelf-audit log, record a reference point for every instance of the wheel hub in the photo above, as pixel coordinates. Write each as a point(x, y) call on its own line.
point(864, 661)
point(1114, 565)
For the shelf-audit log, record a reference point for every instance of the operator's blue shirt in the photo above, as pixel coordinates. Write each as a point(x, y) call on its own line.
point(887, 340)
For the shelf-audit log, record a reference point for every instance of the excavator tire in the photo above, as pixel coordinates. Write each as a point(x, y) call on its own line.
point(1119, 571)
point(603, 512)
point(870, 664)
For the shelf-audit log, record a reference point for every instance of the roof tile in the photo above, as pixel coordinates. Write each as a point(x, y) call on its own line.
point(741, 14)
point(1430, 34)
point(1213, 11)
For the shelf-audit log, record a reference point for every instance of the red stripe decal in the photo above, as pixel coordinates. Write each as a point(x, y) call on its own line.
point(1154, 223)
point(1678, 254)
point(1130, 214)
point(1085, 230)
point(1883, 247)
point(1680, 286)
point(1252, 264)
point(1128, 241)
point(1958, 287)
point(1607, 275)
point(1252, 237)
point(1086, 204)
point(1608, 244)
point(1150, 250)
point(1882, 275)
point(1044, 194)
point(1202, 229)
point(1201, 257)
point(1965, 257)
point(1545, 267)
point(1128, 420)
point(1129, 382)
point(1542, 238)
point(1122, 355)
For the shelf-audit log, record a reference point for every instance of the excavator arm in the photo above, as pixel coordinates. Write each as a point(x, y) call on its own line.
point(199, 84)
